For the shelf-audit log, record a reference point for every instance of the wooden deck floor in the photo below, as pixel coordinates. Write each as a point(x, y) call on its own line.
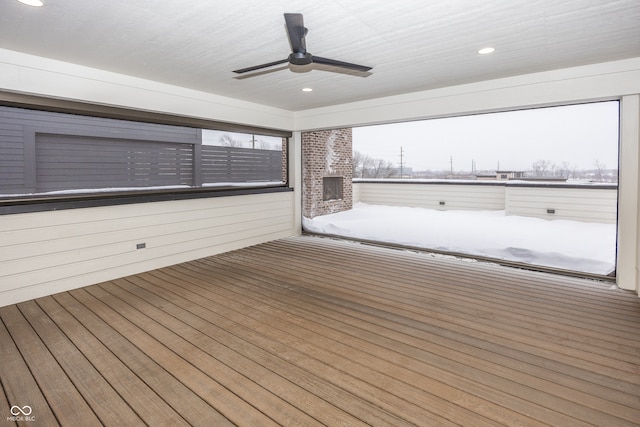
point(312, 331)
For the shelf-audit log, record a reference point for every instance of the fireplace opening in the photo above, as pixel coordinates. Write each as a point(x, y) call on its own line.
point(332, 188)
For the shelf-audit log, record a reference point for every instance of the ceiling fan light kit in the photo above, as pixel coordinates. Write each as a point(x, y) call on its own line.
point(299, 55)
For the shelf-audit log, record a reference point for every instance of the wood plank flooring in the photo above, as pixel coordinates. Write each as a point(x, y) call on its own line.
point(313, 331)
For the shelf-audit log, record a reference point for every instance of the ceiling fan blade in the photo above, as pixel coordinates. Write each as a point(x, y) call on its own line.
point(258, 67)
point(297, 32)
point(262, 72)
point(341, 64)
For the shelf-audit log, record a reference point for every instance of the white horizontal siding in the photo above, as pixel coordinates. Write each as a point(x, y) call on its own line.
point(48, 252)
point(428, 195)
point(577, 204)
point(591, 204)
point(356, 192)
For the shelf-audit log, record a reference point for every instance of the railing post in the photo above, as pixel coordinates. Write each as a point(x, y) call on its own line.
point(29, 153)
point(197, 165)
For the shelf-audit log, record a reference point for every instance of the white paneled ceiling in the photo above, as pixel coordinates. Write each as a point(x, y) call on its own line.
point(411, 44)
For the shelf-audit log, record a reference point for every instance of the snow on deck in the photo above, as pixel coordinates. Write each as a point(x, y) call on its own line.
point(570, 245)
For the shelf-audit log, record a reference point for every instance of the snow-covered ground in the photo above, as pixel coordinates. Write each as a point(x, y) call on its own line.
point(570, 245)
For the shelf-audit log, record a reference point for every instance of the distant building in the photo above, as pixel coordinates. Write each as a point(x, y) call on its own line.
point(502, 176)
point(406, 172)
point(517, 175)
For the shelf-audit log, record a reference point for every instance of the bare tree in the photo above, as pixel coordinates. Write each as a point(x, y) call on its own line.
point(600, 170)
point(227, 141)
point(365, 166)
point(391, 171)
point(382, 169)
point(264, 145)
point(564, 170)
point(358, 159)
point(540, 167)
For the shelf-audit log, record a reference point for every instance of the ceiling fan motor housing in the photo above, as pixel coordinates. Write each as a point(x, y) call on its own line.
point(300, 58)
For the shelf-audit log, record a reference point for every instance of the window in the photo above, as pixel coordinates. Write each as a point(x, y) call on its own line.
point(53, 154)
point(332, 188)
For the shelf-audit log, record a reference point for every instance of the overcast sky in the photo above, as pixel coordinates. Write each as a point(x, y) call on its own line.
point(245, 140)
point(578, 134)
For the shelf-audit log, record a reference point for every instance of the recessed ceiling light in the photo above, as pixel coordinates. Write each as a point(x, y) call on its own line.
point(486, 51)
point(36, 3)
point(307, 89)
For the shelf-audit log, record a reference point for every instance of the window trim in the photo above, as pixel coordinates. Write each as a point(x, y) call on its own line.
point(39, 203)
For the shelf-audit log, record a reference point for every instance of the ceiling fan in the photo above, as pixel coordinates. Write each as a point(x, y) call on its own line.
point(299, 54)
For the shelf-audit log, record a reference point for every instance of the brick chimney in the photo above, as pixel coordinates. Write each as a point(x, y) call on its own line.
point(327, 158)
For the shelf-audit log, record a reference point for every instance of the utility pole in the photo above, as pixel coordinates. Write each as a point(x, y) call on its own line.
point(401, 162)
point(451, 162)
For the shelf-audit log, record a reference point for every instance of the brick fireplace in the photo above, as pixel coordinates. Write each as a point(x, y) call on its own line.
point(327, 158)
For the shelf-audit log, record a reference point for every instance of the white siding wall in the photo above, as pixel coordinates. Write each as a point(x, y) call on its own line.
point(48, 252)
point(588, 205)
point(469, 197)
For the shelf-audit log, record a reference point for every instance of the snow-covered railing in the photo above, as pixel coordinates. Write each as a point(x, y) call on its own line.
point(588, 202)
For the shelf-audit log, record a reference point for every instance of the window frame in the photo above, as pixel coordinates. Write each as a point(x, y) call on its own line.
point(49, 202)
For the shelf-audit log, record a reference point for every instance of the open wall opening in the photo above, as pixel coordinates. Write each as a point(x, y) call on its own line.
point(536, 187)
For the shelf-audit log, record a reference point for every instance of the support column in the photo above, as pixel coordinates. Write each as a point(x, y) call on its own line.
point(294, 151)
point(628, 257)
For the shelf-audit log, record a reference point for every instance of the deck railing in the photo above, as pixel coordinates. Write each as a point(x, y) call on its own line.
point(588, 202)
